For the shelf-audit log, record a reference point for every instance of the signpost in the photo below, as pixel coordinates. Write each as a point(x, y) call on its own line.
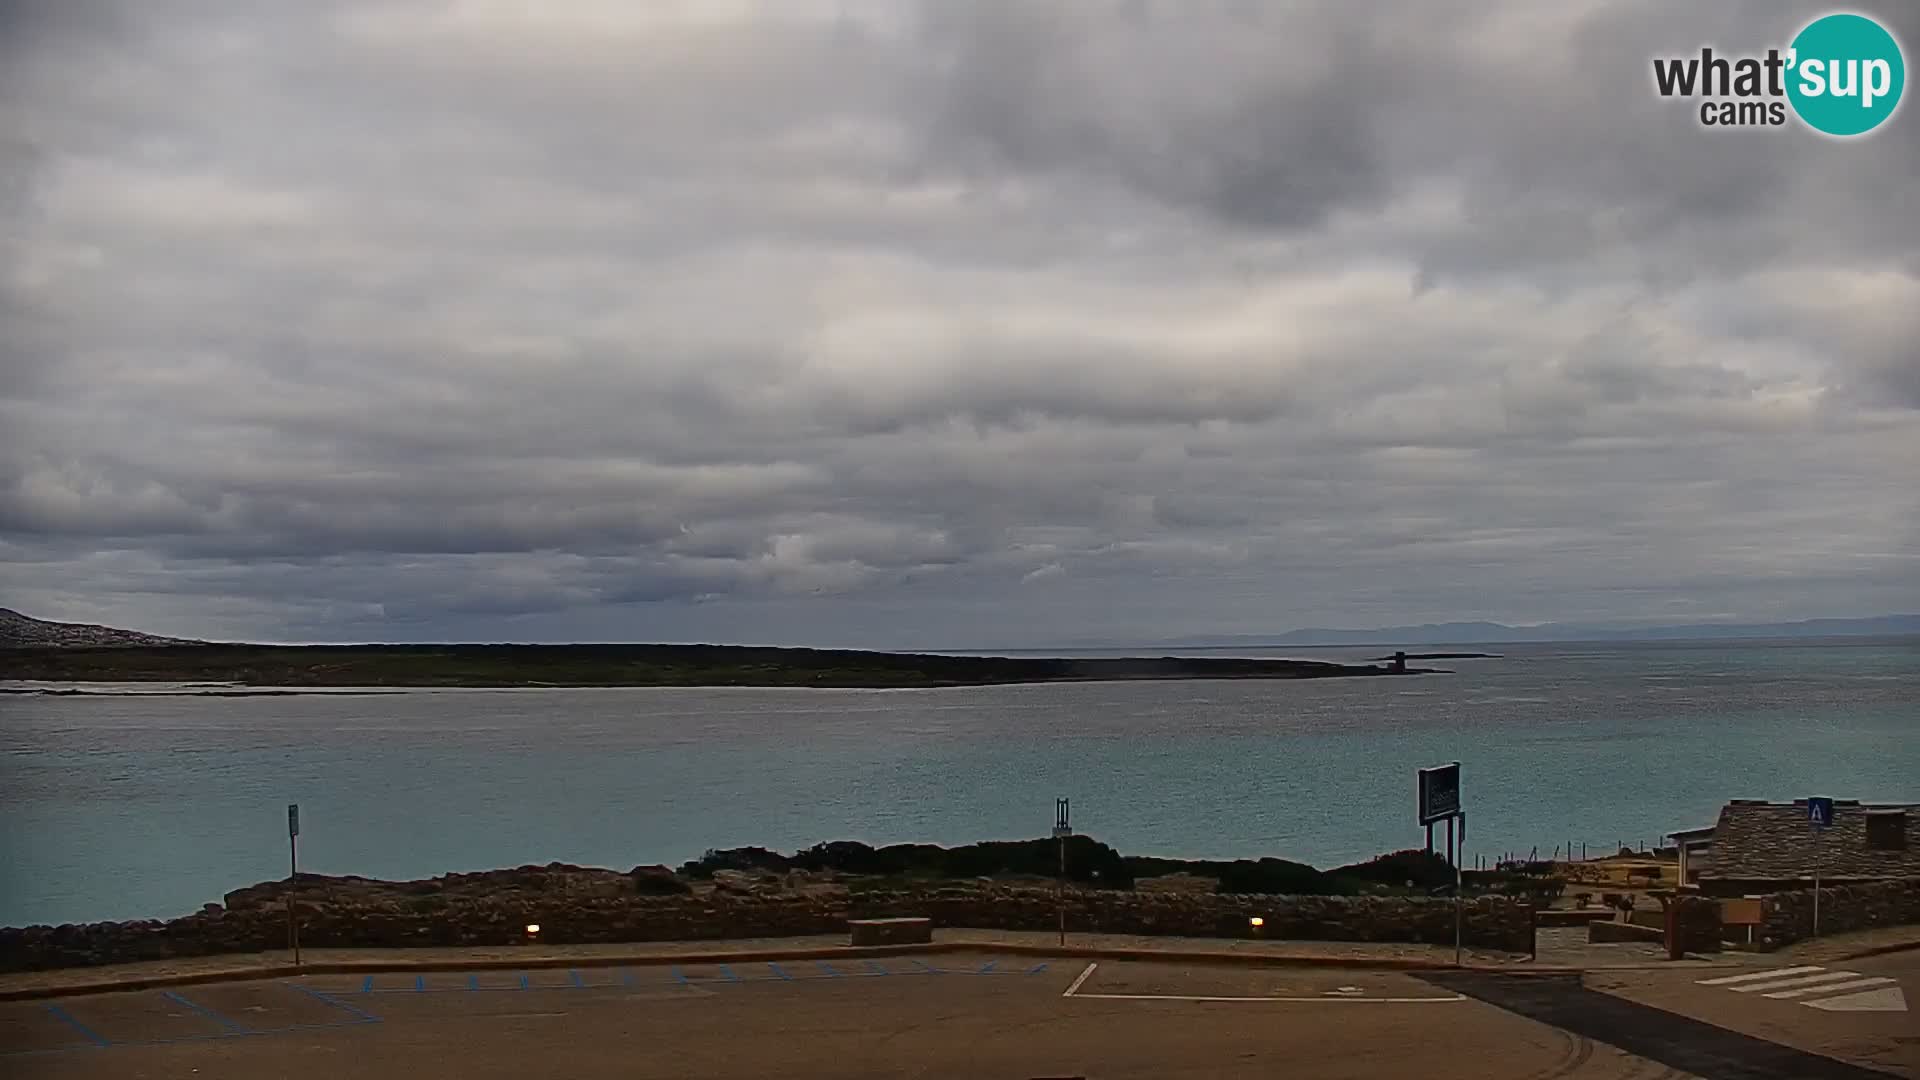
point(1439, 792)
point(293, 878)
point(1820, 816)
point(1439, 789)
point(1061, 830)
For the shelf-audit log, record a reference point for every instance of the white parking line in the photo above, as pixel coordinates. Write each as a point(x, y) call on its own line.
point(1083, 978)
point(1204, 997)
point(1074, 992)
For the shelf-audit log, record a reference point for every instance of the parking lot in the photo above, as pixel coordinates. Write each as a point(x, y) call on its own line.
point(944, 1016)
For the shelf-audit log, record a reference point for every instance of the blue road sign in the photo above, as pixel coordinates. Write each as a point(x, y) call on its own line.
point(1820, 812)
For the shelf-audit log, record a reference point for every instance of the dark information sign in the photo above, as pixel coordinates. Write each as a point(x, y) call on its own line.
point(1439, 793)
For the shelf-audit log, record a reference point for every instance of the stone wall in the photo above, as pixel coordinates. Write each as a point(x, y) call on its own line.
point(260, 923)
point(1698, 923)
point(1787, 917)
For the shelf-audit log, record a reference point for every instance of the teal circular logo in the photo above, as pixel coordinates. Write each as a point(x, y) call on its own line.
point(1847, 74)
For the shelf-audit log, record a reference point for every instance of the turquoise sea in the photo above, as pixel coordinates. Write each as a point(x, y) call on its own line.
point(118, 805)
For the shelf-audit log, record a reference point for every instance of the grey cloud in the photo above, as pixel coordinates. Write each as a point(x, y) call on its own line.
point(934, 324)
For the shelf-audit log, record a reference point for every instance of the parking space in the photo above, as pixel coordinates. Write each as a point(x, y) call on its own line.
point(679, 977)
point(1133, 981)
point(33, 1028)
point(149, 1018)
point(153, 1016)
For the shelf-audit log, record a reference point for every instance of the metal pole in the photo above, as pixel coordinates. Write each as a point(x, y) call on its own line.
point(293, 881)
point(1062, 828)
point(1458, 901)
point(1816, 902)
point(1062, 892)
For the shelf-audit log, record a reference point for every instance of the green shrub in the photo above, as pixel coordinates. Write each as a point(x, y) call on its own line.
point(748, 859)
point(1275, 876)
point(1423, 868)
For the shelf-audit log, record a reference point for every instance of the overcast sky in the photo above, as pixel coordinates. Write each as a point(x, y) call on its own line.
point(937, 325)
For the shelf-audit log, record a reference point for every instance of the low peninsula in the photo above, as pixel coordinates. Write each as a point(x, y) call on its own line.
point(498, 665)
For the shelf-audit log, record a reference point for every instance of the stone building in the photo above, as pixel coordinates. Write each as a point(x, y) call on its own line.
point(1761, 847)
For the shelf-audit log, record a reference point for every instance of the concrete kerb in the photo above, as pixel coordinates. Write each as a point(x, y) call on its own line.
point(748, 956)
point(1878, 950)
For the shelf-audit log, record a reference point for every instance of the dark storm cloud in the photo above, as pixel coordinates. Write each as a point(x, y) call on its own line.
point(880, 323)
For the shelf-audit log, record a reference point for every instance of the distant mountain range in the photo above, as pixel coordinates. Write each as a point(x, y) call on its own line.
point(22, 631)
point(1487, 633)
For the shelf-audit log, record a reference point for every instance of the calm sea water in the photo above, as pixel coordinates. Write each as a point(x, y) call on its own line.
point(128, 806)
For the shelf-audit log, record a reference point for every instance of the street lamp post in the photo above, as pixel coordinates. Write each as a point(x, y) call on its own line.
point(1061, 830)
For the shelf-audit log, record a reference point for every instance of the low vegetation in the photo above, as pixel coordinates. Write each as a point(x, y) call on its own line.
point(1089, 863)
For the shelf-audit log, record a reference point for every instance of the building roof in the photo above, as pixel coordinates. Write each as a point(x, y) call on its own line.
point(1756, 840)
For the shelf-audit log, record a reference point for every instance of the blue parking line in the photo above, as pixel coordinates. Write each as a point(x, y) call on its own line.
point(574, 977)
point(203, 1011)
point(778, 970)
point(987, 968)
point(1036, 969)
point(365, 1017)
point(420, 984)
point(828, 968)
point(727, 974)
point(626, 978)
point(924, 966)
point(366, 985)
point(473, 982)
point(66, 1018)
point(680, 977)
point(523, 982)
point(877, 969)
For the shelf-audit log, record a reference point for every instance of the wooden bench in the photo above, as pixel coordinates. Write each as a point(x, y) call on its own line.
point(890, 931)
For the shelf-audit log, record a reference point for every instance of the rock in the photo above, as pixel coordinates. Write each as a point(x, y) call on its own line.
point(735, 881)
point(211, 909)
point(657, 880)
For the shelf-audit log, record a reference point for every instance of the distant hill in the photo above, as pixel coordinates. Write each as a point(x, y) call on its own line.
point(22, 631)
point(1477, 633)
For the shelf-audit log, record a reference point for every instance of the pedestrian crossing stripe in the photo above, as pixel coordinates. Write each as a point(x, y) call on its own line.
point(1817, 985)
point(1886, 999)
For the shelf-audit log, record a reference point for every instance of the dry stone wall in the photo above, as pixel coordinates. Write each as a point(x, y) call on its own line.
point(256, 919)
point(1787, 917)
